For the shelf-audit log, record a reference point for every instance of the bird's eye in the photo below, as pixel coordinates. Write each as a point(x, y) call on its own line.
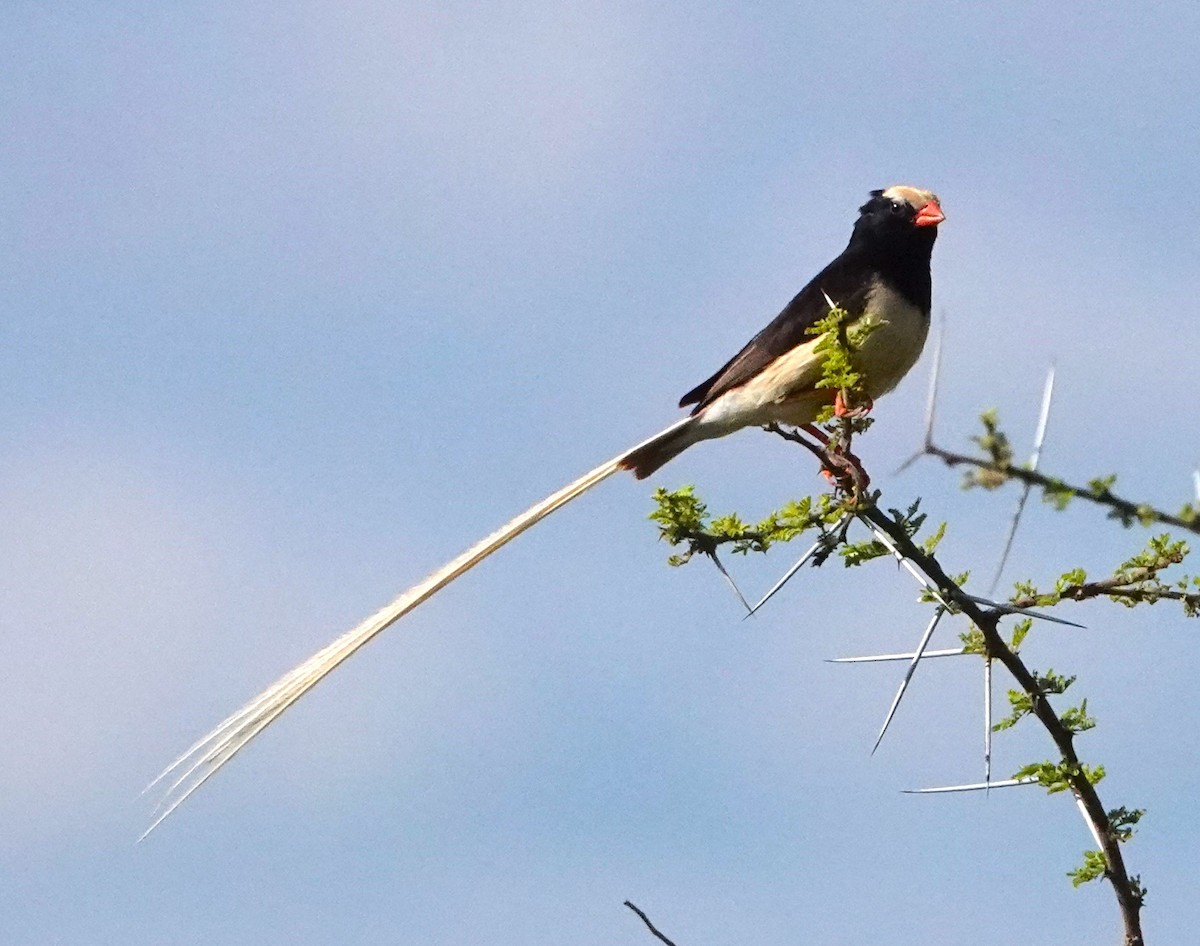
point(897, 208)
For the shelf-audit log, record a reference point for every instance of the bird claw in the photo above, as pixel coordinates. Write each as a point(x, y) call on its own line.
point(845, 470)
point(839, 466)
point(842, 409)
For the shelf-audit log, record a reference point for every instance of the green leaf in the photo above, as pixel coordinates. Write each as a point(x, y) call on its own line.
point(858, 553)
point(972, 640)
point(931, 543)
point(1058, 494)
point(1095, 866)
point(995, 445)
point(1076, 718)
point(1053, 683)
point(1022, 706)
point(1056, 776)
point(1071, 579)
point(1121, 821)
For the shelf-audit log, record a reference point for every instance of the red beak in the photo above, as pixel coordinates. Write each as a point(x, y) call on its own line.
point(930, 215)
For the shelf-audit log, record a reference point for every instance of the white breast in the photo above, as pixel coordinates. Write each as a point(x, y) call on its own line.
point(890, 351)
point(785, 390)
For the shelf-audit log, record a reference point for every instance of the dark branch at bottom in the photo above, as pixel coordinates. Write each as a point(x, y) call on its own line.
point(650, 926)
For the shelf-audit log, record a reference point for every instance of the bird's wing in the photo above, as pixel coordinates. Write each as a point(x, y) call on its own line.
point(846, 283)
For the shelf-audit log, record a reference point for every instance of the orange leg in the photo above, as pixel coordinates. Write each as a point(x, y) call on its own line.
point(838, 464)
point(840, 409)
point(850, 467)
point(814, 431)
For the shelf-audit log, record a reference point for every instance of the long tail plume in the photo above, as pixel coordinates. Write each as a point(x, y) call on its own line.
point(206, 757)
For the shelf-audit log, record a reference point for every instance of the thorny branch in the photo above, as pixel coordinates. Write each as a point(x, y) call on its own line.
point(831, 514)
point(996, 472)
point(997, 468)
point(1136, 580)
point(1135, 586)
point(1128, 892)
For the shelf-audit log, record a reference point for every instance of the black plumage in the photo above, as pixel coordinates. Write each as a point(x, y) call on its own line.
point(882, 276)
point(884, 246)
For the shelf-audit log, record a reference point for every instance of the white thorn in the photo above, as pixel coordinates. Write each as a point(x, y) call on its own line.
point(728, 578)
point(909, 462)
point(787, 576)
point(930, 400)
point(1043, 419)
point(912, 667)
point(886, 541)
point(1039, 440)
point(931, 397)
point(1005, 608)
point(987, 720)
point(977, 787)
point(1088, 821)
point(883, 658)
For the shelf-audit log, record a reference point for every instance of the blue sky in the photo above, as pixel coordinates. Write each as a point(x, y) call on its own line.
point(300, 301)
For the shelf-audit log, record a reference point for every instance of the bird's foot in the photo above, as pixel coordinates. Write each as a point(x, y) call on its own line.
point(838, 465)
point(816, 433)
point(844, 469)
point(853, 411)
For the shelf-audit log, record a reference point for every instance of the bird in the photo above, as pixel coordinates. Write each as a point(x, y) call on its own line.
point(881, 279)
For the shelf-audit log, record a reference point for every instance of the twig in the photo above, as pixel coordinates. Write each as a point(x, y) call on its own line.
point(1123, 509)
point(1126, 585)
point(650, 926)
point(1129, 899)
point(836, 459)
point(796, 437)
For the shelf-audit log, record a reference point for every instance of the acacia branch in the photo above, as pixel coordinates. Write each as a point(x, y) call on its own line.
point(1127, 586)
point(1129, 896)
point(1133, 581)
point(1123, 509)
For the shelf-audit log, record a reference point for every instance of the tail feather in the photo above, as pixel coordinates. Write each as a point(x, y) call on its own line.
point(208, 755)
point(646, 458)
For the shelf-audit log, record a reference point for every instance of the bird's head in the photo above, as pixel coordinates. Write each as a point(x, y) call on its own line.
point(899, 216)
